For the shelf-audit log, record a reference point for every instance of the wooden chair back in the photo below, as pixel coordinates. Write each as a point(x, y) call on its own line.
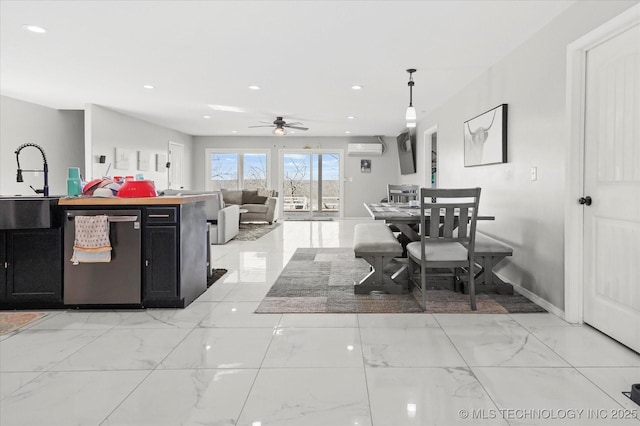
point(402, 193)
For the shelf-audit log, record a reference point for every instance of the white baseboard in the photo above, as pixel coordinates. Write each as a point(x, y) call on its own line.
point(536, 299)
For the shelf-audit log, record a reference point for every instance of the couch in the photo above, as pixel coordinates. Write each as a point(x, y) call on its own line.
point(224, 221)
point(261, 204)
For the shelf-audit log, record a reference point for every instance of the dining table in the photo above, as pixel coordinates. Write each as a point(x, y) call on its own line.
point(404, 216)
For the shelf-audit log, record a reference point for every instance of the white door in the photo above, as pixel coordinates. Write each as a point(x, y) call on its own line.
point(612, 180)
point(176, 166)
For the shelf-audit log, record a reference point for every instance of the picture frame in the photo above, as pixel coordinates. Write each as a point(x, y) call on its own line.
point(143, 160)
point(365, 166)
point(485, 138)
point(122, 158)
point(161, 162)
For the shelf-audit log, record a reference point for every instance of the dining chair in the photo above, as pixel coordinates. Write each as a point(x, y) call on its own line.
point(402, 193)
point(447, 239)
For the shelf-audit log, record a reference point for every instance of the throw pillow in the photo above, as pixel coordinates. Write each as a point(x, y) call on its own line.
point(263, 192)
point(248, 194)
point(232, 196)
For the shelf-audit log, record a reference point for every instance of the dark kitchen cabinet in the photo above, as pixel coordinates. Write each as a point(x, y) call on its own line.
point(161, 263)
point(32, 260)
point(174, 255)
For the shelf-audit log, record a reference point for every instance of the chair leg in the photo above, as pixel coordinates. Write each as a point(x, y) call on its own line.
point(472, 286)
point(423, 285)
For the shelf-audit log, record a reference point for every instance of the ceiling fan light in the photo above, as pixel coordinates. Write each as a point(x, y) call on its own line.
point(279, 131)
point(411, 115)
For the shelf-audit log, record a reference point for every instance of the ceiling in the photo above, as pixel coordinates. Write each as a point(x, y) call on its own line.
point(304, 55)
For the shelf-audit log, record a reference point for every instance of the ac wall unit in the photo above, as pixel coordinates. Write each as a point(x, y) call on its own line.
point(362, 149)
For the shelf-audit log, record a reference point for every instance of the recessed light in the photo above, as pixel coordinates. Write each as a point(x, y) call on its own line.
point(148, 86)
point(356, 87)
point(254, 87)
point(292, 131)
point(226, 108)
point(206, 116)
point(351, 117)
point(234, 131)
point(34, 29)
point(347, 131)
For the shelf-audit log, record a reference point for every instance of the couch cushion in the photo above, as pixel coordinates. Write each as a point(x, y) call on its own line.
point(248, 194)
point(232, 196)
point(253, 199)
point(256, 208)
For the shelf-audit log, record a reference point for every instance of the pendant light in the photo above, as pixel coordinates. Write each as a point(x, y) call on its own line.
point(411, 115)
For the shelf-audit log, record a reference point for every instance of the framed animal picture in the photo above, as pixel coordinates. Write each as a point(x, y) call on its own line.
point(485, 138)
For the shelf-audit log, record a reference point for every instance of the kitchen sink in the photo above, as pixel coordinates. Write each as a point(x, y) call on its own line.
point(18, 212)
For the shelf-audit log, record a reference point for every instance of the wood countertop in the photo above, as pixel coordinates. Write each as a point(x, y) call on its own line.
point(146, 201)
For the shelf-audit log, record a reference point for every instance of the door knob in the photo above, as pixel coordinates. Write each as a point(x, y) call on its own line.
point(585, 200)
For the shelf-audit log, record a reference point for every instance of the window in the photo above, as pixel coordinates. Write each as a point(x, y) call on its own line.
point(236, 170)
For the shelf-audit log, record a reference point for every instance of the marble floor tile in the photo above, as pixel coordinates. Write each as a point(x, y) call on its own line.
point(221, 348)
point(408, 347)
point(615, 380)
point(427, 396)
point(12, 381)
point(216, 292)
point(247, 293)
point(82, 320)
point(534, 320)
point(186, 397)
point(167, 318)
point(69, 398)
point(397, 320)
point(39, 350)
point(239, 314)
point(541, 396)
point(314, 347)
point(318, 320)
point(128, 349)
point(475, 320)
point(307, 396)
point(583, 346)
point(491, 346)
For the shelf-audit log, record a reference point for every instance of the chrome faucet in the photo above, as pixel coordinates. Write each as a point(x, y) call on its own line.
point(45, 169)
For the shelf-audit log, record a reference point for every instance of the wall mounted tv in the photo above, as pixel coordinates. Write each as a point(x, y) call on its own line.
point(407, 152)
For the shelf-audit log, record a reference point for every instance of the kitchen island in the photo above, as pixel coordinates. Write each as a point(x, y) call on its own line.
point(161, 260)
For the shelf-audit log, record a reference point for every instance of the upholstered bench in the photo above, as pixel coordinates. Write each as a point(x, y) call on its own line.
point(375, 243)
point(488, 253)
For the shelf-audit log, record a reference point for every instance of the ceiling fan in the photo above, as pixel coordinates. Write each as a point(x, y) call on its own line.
point(280, 125)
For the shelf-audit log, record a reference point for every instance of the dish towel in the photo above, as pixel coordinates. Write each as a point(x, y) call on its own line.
point(91, 244)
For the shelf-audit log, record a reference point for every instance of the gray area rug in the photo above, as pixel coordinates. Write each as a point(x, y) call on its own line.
point(253, 231)
point(320, 280)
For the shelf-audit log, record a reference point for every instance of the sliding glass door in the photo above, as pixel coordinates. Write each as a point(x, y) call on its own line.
point(311, 184)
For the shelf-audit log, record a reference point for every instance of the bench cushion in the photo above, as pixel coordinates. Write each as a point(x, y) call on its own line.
point(375, 238)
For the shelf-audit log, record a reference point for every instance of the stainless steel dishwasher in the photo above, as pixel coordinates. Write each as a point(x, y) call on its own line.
point(116, 282)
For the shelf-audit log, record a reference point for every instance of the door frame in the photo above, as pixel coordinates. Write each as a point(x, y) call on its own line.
point(428, 149)
point(283, 151)
point(180, 146)
point(574, 157)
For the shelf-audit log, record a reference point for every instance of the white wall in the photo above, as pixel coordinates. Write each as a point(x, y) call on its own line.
point(59, 133)
point(529, 214)
point(359, 187)
point(108, 129)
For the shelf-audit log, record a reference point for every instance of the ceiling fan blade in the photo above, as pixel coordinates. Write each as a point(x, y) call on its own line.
point(295, 123)
point(263, 126)
point(296, 127)
point(265, 122)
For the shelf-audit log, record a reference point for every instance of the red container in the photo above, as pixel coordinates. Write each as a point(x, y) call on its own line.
point(137, 188)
